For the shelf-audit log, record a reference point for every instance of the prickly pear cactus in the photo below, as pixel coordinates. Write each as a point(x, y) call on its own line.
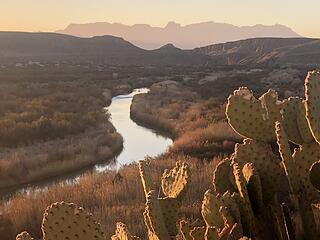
point(67, 221)
point(254, 118)
point(122, 233)
point(24, 236)
point(246, 201)
point(174, 182)
point(161, 213)
point(312, 91)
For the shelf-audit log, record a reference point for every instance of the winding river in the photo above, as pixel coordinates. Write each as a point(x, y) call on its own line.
point(139, 142)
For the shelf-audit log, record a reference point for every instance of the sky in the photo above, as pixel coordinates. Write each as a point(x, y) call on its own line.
point(50, 15)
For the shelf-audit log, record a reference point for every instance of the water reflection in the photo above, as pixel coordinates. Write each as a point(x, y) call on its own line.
point(138, 141)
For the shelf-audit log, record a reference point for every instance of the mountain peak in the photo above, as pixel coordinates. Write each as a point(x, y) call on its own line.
point(172, 25)
point(169, 46)
point(185, 37)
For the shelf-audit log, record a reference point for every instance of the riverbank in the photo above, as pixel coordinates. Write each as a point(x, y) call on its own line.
point(203, 137)
point(198, 126)
point(51, 130)
point(48, 161)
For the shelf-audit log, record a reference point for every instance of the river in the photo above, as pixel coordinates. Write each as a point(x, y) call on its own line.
point(139, 142)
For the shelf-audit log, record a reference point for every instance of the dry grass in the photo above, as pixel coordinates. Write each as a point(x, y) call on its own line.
point(122, 201)
point(58, 157)
point(217, 138)
point(197, 125)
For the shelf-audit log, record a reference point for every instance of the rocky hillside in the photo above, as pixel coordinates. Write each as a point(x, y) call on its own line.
point(264, 51)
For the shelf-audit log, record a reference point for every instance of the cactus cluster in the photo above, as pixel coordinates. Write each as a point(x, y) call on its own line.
point(67, 221)
point(262, 191)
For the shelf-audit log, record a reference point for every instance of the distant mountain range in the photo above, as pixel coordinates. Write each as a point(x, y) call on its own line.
point(47, 47)
point(185, 37)
point(20, 46)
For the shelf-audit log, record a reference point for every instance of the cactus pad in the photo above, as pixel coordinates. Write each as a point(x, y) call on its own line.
point(294, 121)
point(286, 156)
point(174, 181)
point(236, 232)
point(304, 158)
point(254, 118)
point(223, 178)
point(210, 210)
point(169, 208)
point(122, 233)
point(211, 234)
point(145, 176)
point(153, 217)
point(312, 92)
point(315, 175)
point(254, 187)
point(266, 163)
point(198, 233)
point(303, 125)
point(24, 236)
point(185, 228)
point(67, 221)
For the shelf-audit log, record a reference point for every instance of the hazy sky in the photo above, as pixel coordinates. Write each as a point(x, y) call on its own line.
point(49, 15)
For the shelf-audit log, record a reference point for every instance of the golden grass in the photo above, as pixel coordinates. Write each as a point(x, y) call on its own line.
point(58, 157)
point(122, 201)
point(217, 138)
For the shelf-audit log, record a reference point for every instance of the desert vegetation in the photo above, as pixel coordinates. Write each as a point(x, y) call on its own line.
point(260, 192)
point(52, 124)
point(198, 125)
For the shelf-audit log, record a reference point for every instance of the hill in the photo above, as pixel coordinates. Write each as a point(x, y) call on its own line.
point(264, 51)
point(52, 47)
point(19, 46)
point(185, 37)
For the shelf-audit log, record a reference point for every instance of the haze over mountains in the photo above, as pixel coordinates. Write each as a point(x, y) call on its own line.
point(16, 47)
point(185, 37)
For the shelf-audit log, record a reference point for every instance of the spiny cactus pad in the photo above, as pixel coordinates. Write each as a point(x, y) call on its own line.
point(236, 232)
point(254, 188)
point(174, 181)
point(210, 210)
point(122, 233)
point(145, 176)
point(294, 121)
point(24, 236)
point(223, 178)
point(198, 233)
point(211, 234)
point(154, 218)
point(286, 156)
point(314, 175)
point(247, 215)
point(185, 228)
point(253, 118)
point(67, 221)
point(266, 163)
point(303, 125)
point(304, 158)
point(312, 92)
